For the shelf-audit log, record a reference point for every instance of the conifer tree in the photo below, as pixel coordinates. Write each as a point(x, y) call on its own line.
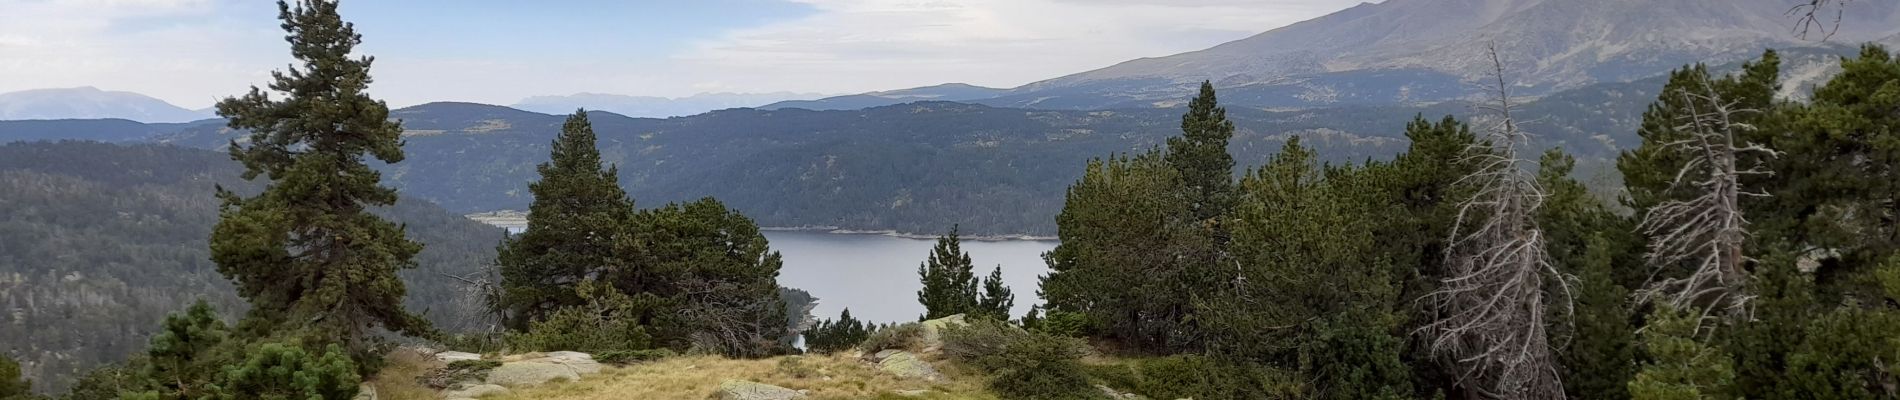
point(1681, 367)
point(306, 252)
point(1601, 358)
point(950, 284)
point(996, 299)
point(710, 277)
point(832, 336)
point(579, 211)
point(1200, 154)
point(1119, 271)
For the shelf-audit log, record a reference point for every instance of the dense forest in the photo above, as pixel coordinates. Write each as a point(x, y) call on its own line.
point(100, 241)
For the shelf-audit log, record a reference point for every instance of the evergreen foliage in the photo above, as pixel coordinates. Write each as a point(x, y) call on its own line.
point(150, 255)
point(607, 322)
point(950, 285)
point(579, 211)
point(1681, 367)
point(1601, 357)
point(306, 252)
point(996, 299)
point(189, 355)
point(279, 371)
point(1200, 156)
point(828, 336)
point(714, 275)
point(1021, 364)
point(1123, 261)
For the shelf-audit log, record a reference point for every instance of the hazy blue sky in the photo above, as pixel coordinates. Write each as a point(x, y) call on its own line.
point(191, 52)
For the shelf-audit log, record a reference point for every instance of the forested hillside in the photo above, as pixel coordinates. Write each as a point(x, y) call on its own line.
point(98, 242)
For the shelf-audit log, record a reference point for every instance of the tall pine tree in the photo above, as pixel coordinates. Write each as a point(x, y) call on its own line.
point(1200, 154)
point(306, 252)
point(950, 284)
point(579, 211)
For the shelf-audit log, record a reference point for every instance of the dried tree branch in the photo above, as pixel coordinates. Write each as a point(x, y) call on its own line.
point(1492, 309)
point(1705, 232)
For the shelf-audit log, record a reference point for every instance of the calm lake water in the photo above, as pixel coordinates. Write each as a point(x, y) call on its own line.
point(876, 275)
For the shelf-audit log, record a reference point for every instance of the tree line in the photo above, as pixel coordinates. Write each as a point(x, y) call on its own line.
point(1752, 255)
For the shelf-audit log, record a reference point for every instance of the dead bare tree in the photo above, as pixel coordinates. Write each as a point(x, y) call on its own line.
point(1491, 311)
point(1812, 16)
point(1707, 230)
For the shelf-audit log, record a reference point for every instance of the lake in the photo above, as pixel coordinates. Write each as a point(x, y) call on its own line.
point(876, 275)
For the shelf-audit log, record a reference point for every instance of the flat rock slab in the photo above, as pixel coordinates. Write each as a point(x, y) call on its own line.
point(475, 391)
point(530, 373)
point(909, 366)
point(745, 390)
point(453, 356)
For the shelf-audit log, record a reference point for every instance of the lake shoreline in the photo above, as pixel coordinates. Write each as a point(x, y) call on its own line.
point(516, 219)
point(902, 235)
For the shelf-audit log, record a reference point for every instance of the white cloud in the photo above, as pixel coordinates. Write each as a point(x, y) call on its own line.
point(190, 52)
point(136, 45)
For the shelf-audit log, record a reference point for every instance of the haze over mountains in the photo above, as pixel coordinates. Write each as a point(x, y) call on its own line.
point(996, 160)
point(655, 107)
point(92, 103)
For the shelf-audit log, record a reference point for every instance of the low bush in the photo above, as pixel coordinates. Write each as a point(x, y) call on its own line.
point(624, 357)
point(1022, 364)
point(1198, 377)
point(901, 337)
point(284, 371)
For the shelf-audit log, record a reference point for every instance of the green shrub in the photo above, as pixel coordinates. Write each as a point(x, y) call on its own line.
point(624, 357)
point(1021, 364)
point(902, 336)
point(104, 383)
point(284, 371)
point(1069, 324)
point(456, 372)
point(1119, 376)
point(606, 323)
point(829, 336)
point(1198, 377)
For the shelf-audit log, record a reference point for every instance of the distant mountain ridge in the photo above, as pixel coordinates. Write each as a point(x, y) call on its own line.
point(655, 107)
point(943, 92)
point(1436, 46)
point(92, 103)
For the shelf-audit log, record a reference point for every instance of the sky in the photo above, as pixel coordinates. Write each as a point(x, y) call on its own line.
point(193, 52)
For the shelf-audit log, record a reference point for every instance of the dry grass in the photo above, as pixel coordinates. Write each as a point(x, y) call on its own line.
point(397, 380)
point(839, 376)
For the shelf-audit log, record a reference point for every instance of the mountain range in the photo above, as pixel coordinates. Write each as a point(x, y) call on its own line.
point(656, 107)
point(92, 103)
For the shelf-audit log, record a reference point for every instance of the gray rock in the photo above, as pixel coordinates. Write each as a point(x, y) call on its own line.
point(909, 366)
point(530, 373)
point(932, 337)
point(881, 355)
point(365, 392)
point(745, 390)
point(453, 356)
point(913, 392)
point(475, 391)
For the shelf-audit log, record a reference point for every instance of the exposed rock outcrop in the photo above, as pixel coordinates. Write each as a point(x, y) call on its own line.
point(747, 390)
